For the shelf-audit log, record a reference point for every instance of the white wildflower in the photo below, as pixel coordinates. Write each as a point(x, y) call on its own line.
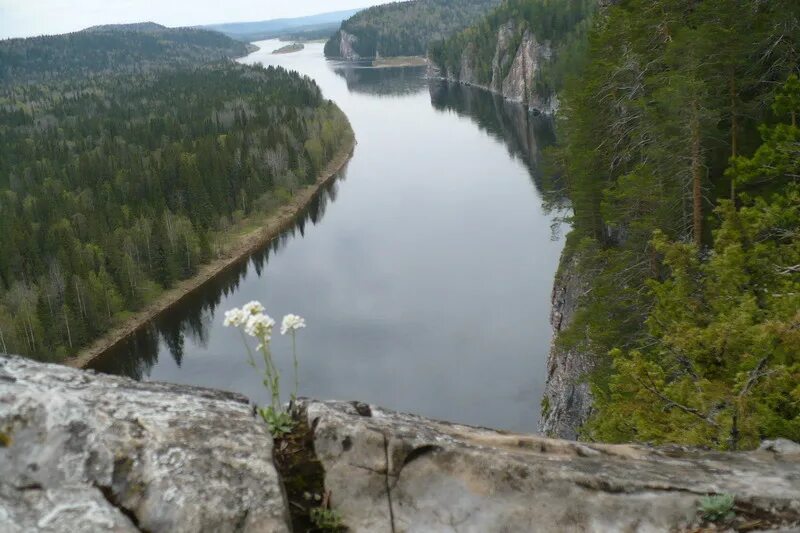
point(259, 326)
point(292, 322)
point(235, 318)
point(253, 308)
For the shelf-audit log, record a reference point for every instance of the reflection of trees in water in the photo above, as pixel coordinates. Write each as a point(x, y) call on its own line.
point(524, 132)
point(382, 81)
point(193, 316)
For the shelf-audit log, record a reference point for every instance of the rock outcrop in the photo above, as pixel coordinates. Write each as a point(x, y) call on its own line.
point(84, 452)
point(567, 400)
point(342, 45)
point(391, 472)
point(518, 59)
point(347, 46)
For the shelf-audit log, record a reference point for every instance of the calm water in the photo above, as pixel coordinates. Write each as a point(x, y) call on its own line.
point(424, 272)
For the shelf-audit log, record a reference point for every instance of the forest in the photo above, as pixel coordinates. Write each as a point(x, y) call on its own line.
point(680, 150)
point(116, 185)
point(407, 28)
point(113, 48)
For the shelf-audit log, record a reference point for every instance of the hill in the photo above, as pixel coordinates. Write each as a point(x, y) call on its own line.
point(113, 48)
point(320, 25)
point(135, 26)
point(403, 28)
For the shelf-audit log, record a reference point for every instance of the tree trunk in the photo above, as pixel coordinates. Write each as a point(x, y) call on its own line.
point(149, 254)
point(734, 132)
point(188, 255)
point(733, 438)
point(697, 179)
point(69, 333)
point(33, 336)
point(31, 347)
point(80, 300)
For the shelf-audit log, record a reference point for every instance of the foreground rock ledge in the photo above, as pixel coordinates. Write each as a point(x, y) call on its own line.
point(83, 452)
point(391, 472)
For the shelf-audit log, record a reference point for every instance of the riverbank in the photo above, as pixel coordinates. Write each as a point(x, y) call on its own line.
point(243, 245)
point(400, 61)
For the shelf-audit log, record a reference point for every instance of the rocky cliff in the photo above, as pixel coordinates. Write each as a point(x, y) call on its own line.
point(84, 452)
point(567, 399)
point(346, 49)
point(518, 59)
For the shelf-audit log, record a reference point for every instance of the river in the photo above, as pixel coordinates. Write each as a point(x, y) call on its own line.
point(424, 272)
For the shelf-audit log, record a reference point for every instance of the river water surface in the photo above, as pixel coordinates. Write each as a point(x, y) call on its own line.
point(424, 272)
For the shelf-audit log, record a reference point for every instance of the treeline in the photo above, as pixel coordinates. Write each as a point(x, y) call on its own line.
point(115, 187)
point(406, 28)
point(104, 49)
point(562, 24)
point(681, 153)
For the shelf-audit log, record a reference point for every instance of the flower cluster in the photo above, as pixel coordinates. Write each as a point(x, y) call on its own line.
point(252, 319)
point(292, 323)
point(259, 326)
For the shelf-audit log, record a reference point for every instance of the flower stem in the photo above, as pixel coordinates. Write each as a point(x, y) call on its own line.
point(294, 355)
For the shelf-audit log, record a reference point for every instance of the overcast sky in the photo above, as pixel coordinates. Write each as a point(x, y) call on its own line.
point(24, 18)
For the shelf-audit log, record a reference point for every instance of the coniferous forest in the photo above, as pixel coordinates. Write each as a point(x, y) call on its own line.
point(563, 24)
point(406, 28)
point(680, 148)
point(118, 179)
point(114, 48)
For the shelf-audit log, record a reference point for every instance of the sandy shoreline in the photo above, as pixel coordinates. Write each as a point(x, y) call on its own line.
point(403, 61)
point(282, 219)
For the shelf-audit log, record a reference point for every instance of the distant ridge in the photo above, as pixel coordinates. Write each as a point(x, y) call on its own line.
point(114, 48)
point(135, 26)
point(324, 24)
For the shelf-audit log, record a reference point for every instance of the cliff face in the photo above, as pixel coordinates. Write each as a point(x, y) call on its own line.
point(346, 48)
point(342, 46)
point(567, 400)
point(518, 59)
point(87, 452)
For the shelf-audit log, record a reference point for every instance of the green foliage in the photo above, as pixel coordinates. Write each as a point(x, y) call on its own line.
point(561, 23)
point(326, 519)
point(116, 186)
point(545, 406)
point(279, 422)
point(658, 133)
point(720, 361)
point(787, 100)
point(406, 28)
point(717, 507)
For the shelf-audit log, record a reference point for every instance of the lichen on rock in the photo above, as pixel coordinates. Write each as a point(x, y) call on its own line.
point(103, 450)
point(392, 472)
